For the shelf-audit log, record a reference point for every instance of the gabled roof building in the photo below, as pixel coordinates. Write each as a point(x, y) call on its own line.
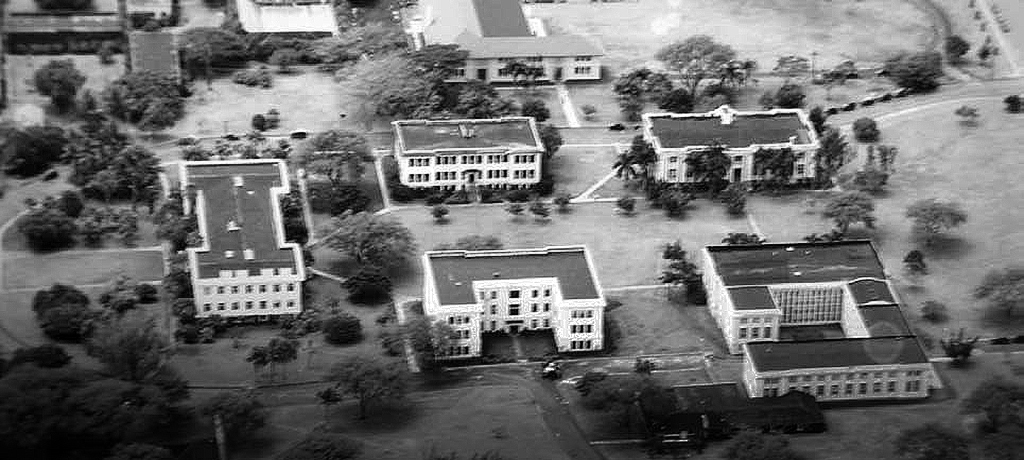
point(244, 266)
point(287, 16)
point(864, 348)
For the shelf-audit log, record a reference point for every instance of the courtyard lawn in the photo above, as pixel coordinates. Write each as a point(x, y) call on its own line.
point(81, 268)
point(650, 323)
point(578, 168)
point(13, 240)
point(862, 30)
point(626, 250)
point(547, 95)
point(369, 186)
point(480, 419)
point(223, 362)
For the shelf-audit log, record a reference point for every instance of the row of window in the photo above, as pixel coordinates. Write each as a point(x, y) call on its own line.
point(582, 70)
point(458, 320)
point(840, 376)
point(582, 314)
point(249, 305)
point(249, 288)
point(756, 320)
point(910, 386)
point(497, 174)
point(454, 350)
point(513, 309)
point(755, 332)
point(419, 177)
point(263, 272)
point(534, 324)
point(524, 158)
point(413, 162)
point(514, 294)
point(445, 175)
point(673, 174)
point(524, 174)
point(581, 345)
point(581, 328)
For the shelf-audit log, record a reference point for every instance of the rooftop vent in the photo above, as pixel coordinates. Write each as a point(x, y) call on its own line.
point(466, 131)
point(250, 192)
point(496, 274)
point(789, 248)
point(792, 139)
point(728, 118)
point(237, 180)
point(233, 226)
point(248, 254)
point(798, 273)
point(229, 254)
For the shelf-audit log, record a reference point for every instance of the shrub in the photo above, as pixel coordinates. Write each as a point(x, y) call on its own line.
point(284, 58)
point(458, 197)
point(866, 130)
point(147, 293)
point(58, 295)
point(437, 198)
point(326, 198)
point(537, 109)
point(323, 446)
point(259, 77)
point(626, 204)
point(871, 180)
point(735, 198)
point(46, 355)
point(588, 111)
point(790, 96)
point(259, 122)
point(188, 333)
point(562, 201)
point(917, 71)
point(60, 80)
point(517, 196)
point(1014, 103)
point(370, 284)
point(48, 229)
point(67, 324)
point(342, 329)
point(440, 213)
point(935, 312)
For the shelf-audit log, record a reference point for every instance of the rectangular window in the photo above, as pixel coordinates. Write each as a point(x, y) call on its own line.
point(263, 288)
point(743, 332)
point(494, 325)
point(673, 159)
point(672, 174)
point(547, 293)
point(514, 294)
point(755, 332)
point(206, 307)
point(547, 323)
point(234, 305)
point(220, 306)
point(494, 294)
point(494, 309)
point(248, 305)
point(876, 387)
point(849, 388)
point(820, 391)
point(891, 387)
point(206, 290)
point(291, 287)
point(513, 310)
point(547, 306)
point(220, 289)
point(277, 304)
point(277, 288)
point(801, 169)
point(535, 293)
point(767, 332)
point(737, 159)
point(834, 390)
point(291, 303)
point(533, 308)
point(248, 289)
point(590, 313)
point(263, 305)
point(533, 324)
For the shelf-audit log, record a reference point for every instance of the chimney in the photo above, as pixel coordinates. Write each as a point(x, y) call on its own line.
point(248, 254)
point(496, 274)
point(233, 226)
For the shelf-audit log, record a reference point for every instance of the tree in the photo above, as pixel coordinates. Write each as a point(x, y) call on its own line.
point(743, 239)
point(440, 61)
point(830, 237)
point(149, 99)
point(956, 47)
point(540, 210)
point(32, 150)
point(338, 155)
point(588, 111)
point(284, 59)
point(477, 99)
point(750, 445)
point(931, 216)
point(515, 209)
point(368, 285)
point(58, 295)
point(790, 96)
point(913, 263)
point(241, 414)
point(1004, 290)
point(958, 347)
point(735, 198)
point(934, 311)
point(871, 179)
point(1014, 103)
point(695, 59)
point(371, 240)
point(46, 355)
point(370, 379)
point(429, 339)
point(323, 446)
point(205, 47)
point(47, 229)
point(60, 80)
point(473, 243)
point(137, 451)
point(680, 271)
point(818, 119)
point(968, 115)
point(551, 139)
point(626, 204)
point(129, 348)
point(866, 130)
point(329, 397)
point(849, 208)
point(678, 100)
point(342, 329)
point(618, 395)
point(998, 400)
point(831, 155)
point(390, 86)
point(67, 323)
point(535, 108)
point(674, 202)
point(563, 200)
point(440, 213)
point(281, 351)
point(637, 162)
point(709, 166)
point(917, 71)
point(120, 295)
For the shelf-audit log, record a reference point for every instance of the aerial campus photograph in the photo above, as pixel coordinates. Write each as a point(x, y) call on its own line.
point(511, 229)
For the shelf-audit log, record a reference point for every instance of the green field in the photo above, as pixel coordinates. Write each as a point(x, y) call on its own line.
point(81, 267)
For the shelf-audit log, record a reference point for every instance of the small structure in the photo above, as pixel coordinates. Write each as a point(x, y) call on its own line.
point(552, 288)
point(287, 16)
point(501, 153)
point(244, 267)
point(676, 135)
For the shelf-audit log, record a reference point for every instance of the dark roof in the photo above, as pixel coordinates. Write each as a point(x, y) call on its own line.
point(792, 408)
point(250, 207)
point(714, 397)
point(81, 23)
point(836, 353)
point(884, 320)
point(871, 290)
point(154, 51)
point(726, 403)
point(455, 271)
point(501, 18)
point(502, 134)
point(751, 298)
point(796, 263)
point(675, 131)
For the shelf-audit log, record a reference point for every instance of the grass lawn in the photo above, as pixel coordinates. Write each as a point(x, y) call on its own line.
point(620, 257)
point(650, 323)
point(81, 267)
point(21, 70)
point(862, 30)
point(548, 95)
point(369, 186)
point(578, 168)
point(479, 419)
point(13, 240)
point(223, 362)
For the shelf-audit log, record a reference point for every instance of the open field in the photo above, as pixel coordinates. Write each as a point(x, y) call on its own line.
point(650, 323)
point(22, 68)
point(548, 95)
point(503, 419)
point(82, 267)
point(621, 258)
point(578, 168)
point(632, 32)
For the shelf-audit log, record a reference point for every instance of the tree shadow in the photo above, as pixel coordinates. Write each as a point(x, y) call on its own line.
point(945, 247)
point(386, 416)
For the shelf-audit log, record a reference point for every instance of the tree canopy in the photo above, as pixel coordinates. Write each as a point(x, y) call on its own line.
point(129, 348)
point(370, 379)
point(60, 80)
point(709, 166)
point(241, 413)
point(749, 445)
point(1003, 289)
point(918, 71)
point(32, 150)
point(931, 442)
point(369, 239)
point(850, 208)
point(336, 154)
point(696, 58)
point(47, 229)
point(223, 47)
point(148, 99)
point(323, 446)
point(931, 216)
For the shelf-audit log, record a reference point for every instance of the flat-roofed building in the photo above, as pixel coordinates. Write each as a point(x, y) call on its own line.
point(287, 16)
point(674, 136)
point(515, 290)
point(498, 32)
point(500, 153)
point(244, 266)
point(835, 294)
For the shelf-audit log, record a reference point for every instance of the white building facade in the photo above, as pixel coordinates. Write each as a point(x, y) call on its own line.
point(501, 153)
point(675, 136)
point(244, 267)
point(553, 288)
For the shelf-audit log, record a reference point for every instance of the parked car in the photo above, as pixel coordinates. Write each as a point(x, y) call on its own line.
point(551, 371)
point(298, 134)
point(231, 137)
point(850, 107)
point(617, 127)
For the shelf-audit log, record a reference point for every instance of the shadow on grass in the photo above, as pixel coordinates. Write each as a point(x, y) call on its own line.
point(380, 417)
point(946, 247)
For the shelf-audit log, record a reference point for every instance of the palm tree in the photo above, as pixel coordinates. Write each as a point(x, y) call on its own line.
point(637, 162)
point(624, 166)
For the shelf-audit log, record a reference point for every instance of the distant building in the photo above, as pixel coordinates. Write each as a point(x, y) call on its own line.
point(501, 153)
point(817, 317)
point(497, 32)
point(676, 135)
point(244, 266)
point(28, 29)
point(155, 52)
point(553, 288)
point(287, 16)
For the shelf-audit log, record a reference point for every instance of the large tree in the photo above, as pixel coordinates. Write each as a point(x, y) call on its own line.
point(849, 208)
point(336, 154)
point(931, 442)
point(130, 348)
point(775, 165)
point(918, 71)
point(931, 216)
point(60, 80)
point(369, 239)
point(389, 86)
point(47, 229)
point(831, 156)
point(323, 446)
point(637, 162)
point(152, 100)
point(999, 401)
point(241, 414)
point(32, 150)
point(1003, 289)
point(370, 379)
point(217, 46)
point(709, 166)
point(439, 61)
point(697, 58)
point(477, 99)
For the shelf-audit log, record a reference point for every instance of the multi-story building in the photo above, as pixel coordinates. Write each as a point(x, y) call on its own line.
point(767, 299)
point(503, 153)
point(496, 33)
point(676, 135)
point(553, 288)
point(244, 266)
point(315, 17)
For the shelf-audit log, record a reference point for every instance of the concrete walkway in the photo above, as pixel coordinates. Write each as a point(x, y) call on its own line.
point(1006, 49)
point(571, 118)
